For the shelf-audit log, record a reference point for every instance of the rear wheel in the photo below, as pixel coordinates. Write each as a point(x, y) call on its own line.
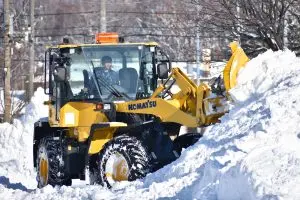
point(123, 158)
point(50, 164)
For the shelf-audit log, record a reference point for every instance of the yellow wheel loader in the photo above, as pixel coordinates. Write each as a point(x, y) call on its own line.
point(106, 129)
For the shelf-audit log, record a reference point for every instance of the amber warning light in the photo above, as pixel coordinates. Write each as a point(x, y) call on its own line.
point(107, 38)
point(99, 106)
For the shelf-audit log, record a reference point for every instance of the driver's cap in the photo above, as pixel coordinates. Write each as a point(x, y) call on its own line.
point(106, 59)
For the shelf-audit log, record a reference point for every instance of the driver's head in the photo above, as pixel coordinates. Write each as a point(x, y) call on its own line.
point(106, 62)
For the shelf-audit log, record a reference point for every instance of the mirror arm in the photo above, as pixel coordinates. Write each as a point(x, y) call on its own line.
point(168, 59)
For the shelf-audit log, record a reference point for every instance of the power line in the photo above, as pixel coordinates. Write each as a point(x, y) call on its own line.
point(171, 35)
point(131, 27)
point(26, 60)
point(128, 27)
point(140, 34)
point(115, 12)
point(152, 13)
point(125, 35)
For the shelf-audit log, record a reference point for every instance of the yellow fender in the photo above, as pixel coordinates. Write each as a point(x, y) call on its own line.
point(233, 66)
point(102, 135)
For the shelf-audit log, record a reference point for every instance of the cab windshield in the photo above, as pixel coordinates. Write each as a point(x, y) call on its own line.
point(108, 72)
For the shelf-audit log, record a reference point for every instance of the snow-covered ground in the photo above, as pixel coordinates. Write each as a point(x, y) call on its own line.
point(252, 154)
point(16, 164)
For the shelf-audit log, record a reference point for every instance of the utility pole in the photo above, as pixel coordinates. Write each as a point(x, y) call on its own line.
point(7, 61)
point(103, 16)
point(238, 11)
point(198, 56)
point(198, 48)
point(31, 51)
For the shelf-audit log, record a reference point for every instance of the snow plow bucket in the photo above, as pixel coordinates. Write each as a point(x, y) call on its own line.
point(233, 66)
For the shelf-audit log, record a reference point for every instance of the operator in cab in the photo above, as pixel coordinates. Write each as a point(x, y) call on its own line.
point(106, 73)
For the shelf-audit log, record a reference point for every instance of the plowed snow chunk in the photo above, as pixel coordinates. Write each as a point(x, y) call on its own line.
point(16, 144)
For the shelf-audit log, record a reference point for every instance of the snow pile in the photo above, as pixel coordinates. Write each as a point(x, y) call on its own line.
point(253, 154)
point(274, 67)
point(16, 163)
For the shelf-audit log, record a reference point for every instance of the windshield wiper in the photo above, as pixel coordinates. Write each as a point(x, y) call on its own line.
point(111, 88)
point(106, 84)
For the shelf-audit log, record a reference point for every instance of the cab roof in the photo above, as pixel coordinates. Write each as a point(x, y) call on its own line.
point(61, 46)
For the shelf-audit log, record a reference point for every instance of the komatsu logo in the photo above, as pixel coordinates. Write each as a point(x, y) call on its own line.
point(147, 104)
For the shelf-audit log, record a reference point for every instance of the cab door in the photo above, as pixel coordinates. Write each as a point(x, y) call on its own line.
point(56, 70)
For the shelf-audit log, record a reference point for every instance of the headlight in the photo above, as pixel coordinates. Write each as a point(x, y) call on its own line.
point(106, 106)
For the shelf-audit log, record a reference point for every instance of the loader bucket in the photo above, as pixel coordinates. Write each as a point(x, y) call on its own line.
point(233, 66)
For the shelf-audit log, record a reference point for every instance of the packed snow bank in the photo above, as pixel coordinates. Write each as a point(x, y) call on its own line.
point(253, 154)
point(16, 165)
point(264, 73)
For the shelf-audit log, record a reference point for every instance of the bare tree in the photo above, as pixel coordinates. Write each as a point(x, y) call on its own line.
point(7, 61)
point(260, 24)
point(293, 20)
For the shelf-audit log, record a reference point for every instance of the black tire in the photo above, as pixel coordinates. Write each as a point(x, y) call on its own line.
point(50, 150)
point(93, 169)
point(186, 140)
point(133, 151)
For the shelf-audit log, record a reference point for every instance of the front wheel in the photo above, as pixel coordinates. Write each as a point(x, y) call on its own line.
point(123, 158)
point(50, 164)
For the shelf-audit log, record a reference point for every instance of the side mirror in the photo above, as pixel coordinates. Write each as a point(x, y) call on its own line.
point(162, 71)
point(59, 74)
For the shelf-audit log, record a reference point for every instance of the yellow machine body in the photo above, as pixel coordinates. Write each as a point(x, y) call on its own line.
point(189, 107)
point(237, 61)
point(78, 117)
point(116, 132)
point(192, 106)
